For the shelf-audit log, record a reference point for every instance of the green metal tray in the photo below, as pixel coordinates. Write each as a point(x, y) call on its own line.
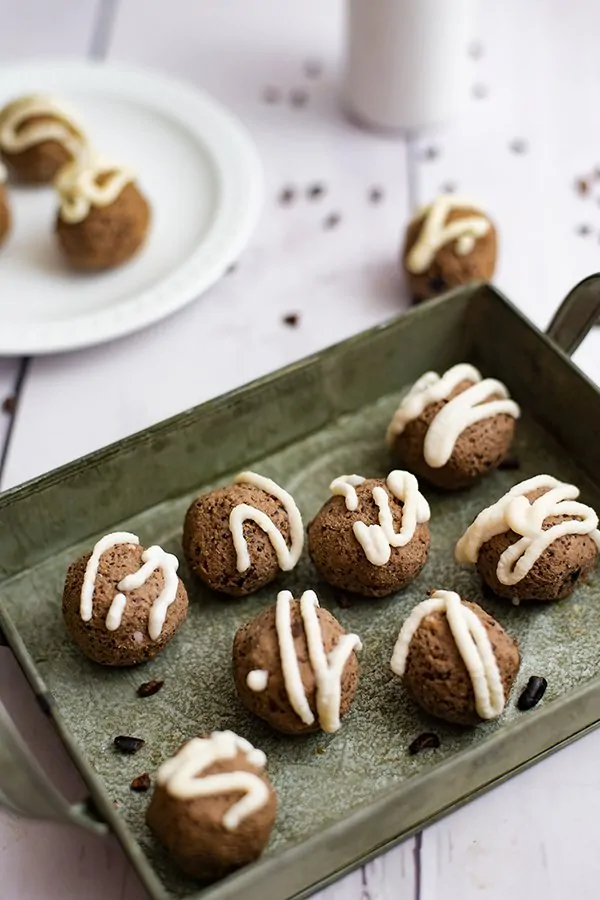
point(346, 797)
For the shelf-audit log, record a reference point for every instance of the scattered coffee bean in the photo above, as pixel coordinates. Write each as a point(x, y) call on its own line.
point(479, 91)
point(298, 97)
point(9, 404)
point(292, 320)
point(271, 94)
point(518, 145)
point(510, 463)
point(426, 741)
point(448, 188)
point(315, 191)
point(582, 186)
point(475, 49)
point(332, 220)
point(533, 693)
point(287, 196)
point(313, 68)
point(231, 268)
point(150, 687)
point(141, 783)
point(375, 195)
point(583, 230)
point(430, 153)
point(127, 744)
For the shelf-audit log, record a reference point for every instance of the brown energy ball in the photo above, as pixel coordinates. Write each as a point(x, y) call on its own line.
point(122, 604)
point(265, 548)
point(430, 435)
point(301, 701)
point(448, 244)
point(38, 135)
point(5, 217)
point(342, 549)
point(558, 568)
point(103, 218)
point(208, 835)
point(432, 662)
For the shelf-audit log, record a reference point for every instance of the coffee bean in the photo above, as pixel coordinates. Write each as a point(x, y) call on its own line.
point(127, 744)
point(533, 693)
point(426, 741)
point(148, 688)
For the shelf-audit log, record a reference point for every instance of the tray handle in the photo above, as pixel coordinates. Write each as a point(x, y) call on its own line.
point(576, 315)
point(26, 790)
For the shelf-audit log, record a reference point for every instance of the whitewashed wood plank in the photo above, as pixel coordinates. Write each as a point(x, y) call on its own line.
point(339, 280)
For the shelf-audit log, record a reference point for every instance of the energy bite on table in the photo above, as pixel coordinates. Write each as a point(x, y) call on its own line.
point(538, 542)
point(39, 135)
point(453, 429)
point(238, 538)
point(122, 604)
point(295, 666)
point(5, 217)
point(449, 243)
point(213, 807)
point(455, 660)
point(372, 536)
point(103, 217)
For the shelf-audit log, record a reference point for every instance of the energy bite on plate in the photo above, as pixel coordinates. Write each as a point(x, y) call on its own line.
point(39, 135)
point(238, 538)
point(372, 536)
point(121, 603)
point(295, 666)
point(213, 807)
point(449, 243)
point(455, 660)
point(538, 542)
point(453, 429)
point(103, 218)
point(5, 217)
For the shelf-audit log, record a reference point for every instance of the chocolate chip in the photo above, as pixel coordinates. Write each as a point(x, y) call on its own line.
point(436, 284)
point(315, 191)
point(271, 94)
point(292, 320)
point(9, 404)
point(127, 744)
point(426, 741)
point(510, 463)
point(313, 68)
point(141, 783)
point(518, 145)
point(533, 693)
point(430, 153)
point(298, 97)
point(479, 91)
point(148, 688)
point(287, 196)
point(375, 195)
point(331, 221)
point(583, 230)
point(475, 50)
point(582, 186)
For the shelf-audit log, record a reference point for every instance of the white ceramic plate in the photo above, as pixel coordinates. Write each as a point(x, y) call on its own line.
point(196, 164)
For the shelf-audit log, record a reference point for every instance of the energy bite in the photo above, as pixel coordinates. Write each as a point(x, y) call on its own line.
point(38, 136)
point(455, 660)
point(452, 429)
point(238, 538)
point(449, 243)
point(295, 666)
point(372, 536)
point(5, 217)
point(538, 542)
point(121, 603)
point(213, 807)
point(103, 218)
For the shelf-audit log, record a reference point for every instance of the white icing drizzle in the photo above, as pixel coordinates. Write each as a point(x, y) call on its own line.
point(328, 668)
point(287, 557)
point(153, 558)
point(470, 406)
point(436, 232)
point(377, 540)
point(515, 512)
point(60, 125)
point(79, 189)
point(473, 644)
point(257, 680)
point(181, 776)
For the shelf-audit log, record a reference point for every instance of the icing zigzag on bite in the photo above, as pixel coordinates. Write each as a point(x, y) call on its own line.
point(436, 232)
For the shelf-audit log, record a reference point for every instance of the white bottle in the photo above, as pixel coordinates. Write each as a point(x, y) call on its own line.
point(406, 62)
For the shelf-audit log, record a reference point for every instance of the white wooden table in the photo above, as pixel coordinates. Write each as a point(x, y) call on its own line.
point(531, 129)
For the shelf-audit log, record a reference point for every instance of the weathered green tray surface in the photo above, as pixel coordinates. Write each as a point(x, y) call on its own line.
point(342, 797)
